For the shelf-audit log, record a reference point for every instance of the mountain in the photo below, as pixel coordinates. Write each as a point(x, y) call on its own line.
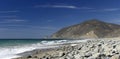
point(114, 34)
point(89, 29)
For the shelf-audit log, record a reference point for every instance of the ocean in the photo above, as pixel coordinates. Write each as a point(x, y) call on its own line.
point(10, 48)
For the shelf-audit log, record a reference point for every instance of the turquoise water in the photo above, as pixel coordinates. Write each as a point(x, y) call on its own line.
point(14, 42)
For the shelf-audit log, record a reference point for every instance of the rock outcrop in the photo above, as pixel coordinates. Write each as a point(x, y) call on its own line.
point(89, 29)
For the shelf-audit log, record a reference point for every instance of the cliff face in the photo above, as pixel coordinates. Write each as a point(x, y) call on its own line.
point(88, 29)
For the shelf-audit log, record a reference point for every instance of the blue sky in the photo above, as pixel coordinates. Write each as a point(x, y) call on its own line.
point(40, 18)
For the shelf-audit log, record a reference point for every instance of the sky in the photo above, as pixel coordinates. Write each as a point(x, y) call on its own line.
point(41, 18)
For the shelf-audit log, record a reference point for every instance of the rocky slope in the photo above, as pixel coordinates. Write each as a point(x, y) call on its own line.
point(89, 29)
point(114, 34)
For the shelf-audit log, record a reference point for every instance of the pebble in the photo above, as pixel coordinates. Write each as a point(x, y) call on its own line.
point(92, 49)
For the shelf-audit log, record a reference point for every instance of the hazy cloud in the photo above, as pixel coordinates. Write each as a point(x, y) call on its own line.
point(12, 20)
point(12, 11)
point(112, 9)
point(77, 7)
point(13, 16)
point(17, 20)
point(61, 6)
point(49, 20)
point(1, 29)
point(13, 25)
point(117, 21)
point(104, 10)
point(44, 27)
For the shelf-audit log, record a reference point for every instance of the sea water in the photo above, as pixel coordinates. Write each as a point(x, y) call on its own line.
point(10, 48)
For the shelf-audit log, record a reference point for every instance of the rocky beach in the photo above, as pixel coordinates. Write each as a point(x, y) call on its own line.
point(101, 40)
point(104, 48)
point(95, 40)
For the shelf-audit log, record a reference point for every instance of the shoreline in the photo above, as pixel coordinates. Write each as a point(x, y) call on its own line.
point(13, 50)
point(107, 48)
point(58, 47)
point(43, 51)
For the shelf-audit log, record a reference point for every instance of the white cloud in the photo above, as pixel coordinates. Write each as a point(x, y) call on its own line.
point(77, 7)
point(55, 6)
point(61, 6)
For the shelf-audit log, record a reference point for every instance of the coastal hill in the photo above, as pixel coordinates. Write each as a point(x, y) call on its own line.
point(89, 29)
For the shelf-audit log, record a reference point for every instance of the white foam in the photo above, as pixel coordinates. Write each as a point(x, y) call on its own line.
point(8, 53)
point(9, 56)
point(73, 44)
point(12, 51)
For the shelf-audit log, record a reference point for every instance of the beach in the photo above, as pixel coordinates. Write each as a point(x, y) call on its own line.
point(25, 47)
point(105, 48)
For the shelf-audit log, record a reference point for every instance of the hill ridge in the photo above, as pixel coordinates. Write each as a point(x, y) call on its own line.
point(88, 29)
